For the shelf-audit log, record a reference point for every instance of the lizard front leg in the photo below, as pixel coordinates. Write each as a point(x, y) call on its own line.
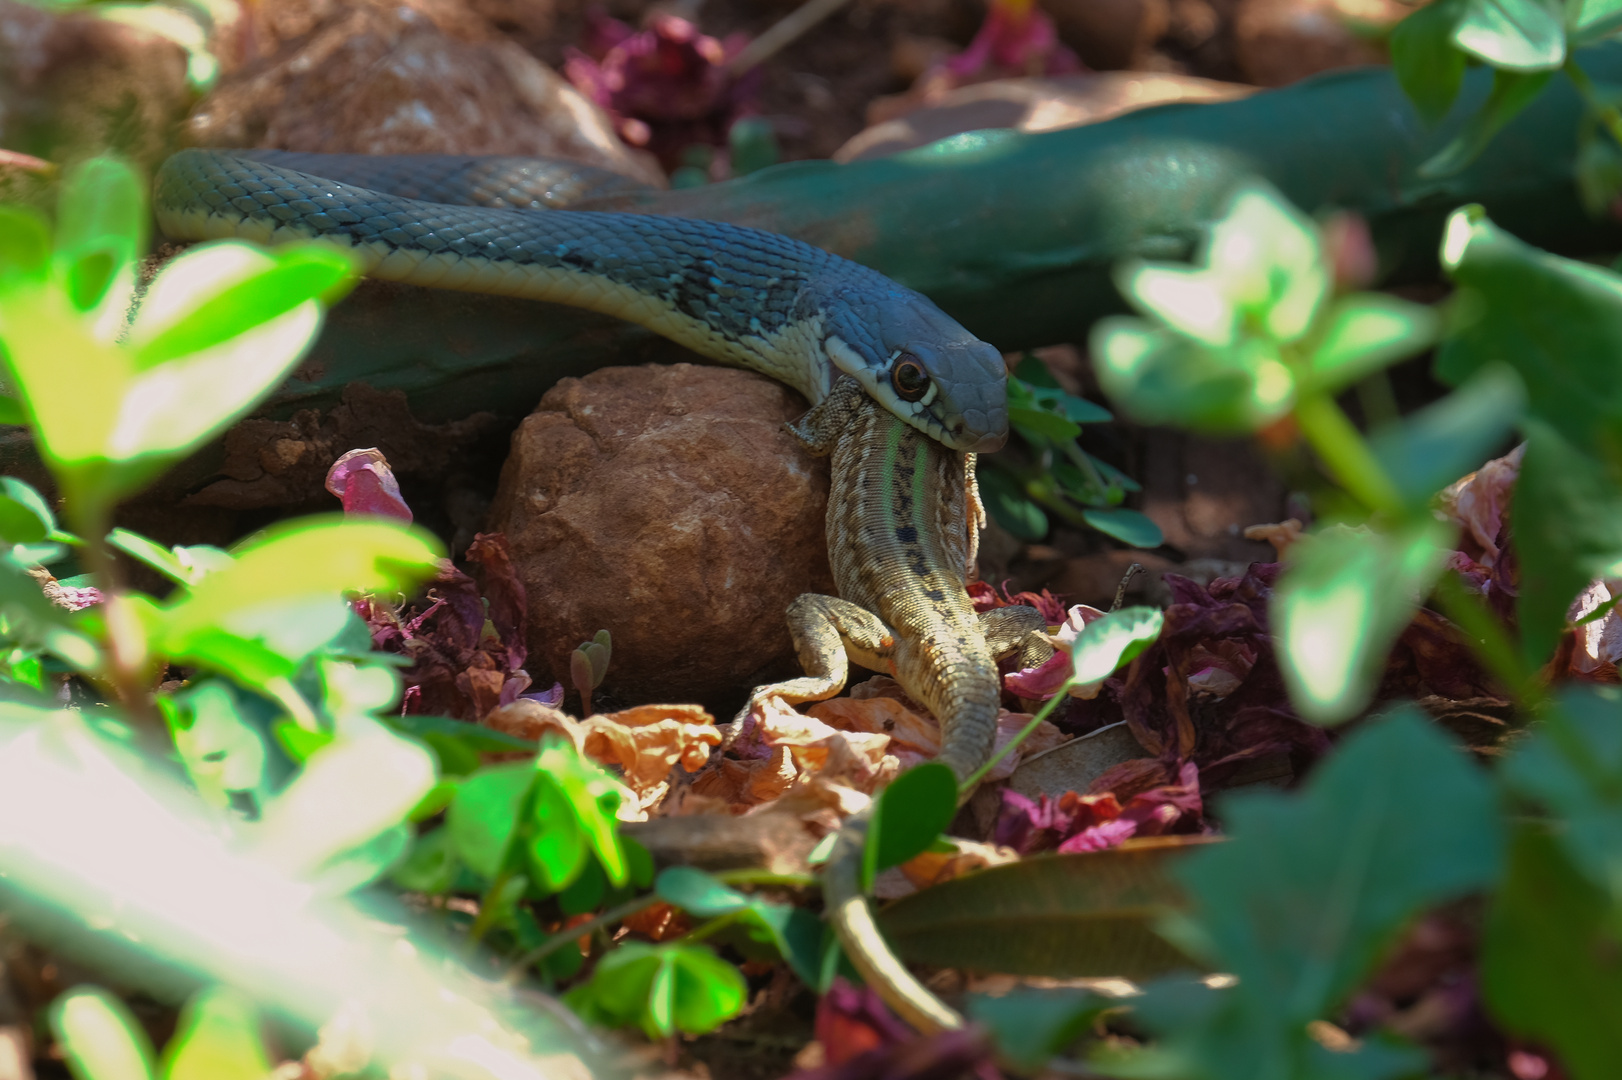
point(1017, 630)
point(829, 634)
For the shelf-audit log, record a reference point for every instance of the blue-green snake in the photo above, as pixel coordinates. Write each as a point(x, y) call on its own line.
point(736, 295)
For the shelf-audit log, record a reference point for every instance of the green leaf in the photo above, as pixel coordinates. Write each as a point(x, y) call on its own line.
point(1127, 526)
point(1428, 67)
point(341, 820)
point(217, 1039)
point(557, 843)
point(1065, 916)
point(908, 816)
point(100, 1038)
point(1341, 603)
point(311, 556)
point(25, 243)
point(1557, 322)
point(664, 989)
point(1589, 21)
point(1310, 890)
point(1113, 641)
point(1429, 449)
point(431, 865)
point(265, 288)
point(1042, 423)
point(697, 893)
point(484, 814)
point(1010, 507)
point(1550, 959)
point(1599, 171)
point(796, 934)
point(1567, 511)
point(1365, 333)
point(1031, 1026)
point(222, 751)
point(1574, 771)
point(1511, 92)
point(101, 228)
point(25, 516)
point(1513, 35)
point(1158, 377)
point(475, 738)
point(300, 743)
point(590, 797)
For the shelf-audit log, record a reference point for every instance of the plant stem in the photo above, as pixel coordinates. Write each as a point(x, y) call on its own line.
point(1343, 449)
point(575, 933)
point(1042, 714)
point(1607, 115)
point(126, 638)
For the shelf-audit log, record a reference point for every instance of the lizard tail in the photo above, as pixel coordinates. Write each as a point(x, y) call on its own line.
point(853, 922)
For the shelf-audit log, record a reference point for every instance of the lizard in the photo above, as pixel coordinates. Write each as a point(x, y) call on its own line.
point(904, 515)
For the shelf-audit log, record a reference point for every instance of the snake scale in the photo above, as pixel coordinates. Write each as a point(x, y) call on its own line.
point(736, 295)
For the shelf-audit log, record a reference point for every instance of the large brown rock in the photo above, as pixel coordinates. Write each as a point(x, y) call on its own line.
point(667, 505)
point(392, 77)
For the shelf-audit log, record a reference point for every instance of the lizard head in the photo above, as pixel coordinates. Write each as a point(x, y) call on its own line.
point(922, 365)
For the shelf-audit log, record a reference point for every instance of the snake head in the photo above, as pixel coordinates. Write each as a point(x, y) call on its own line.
point(922, 365)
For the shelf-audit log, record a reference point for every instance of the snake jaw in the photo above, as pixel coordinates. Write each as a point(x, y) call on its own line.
point(966, 404)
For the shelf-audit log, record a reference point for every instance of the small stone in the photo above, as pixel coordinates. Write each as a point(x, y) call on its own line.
point(667, 505)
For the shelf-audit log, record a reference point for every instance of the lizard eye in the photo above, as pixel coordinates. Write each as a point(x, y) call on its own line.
point(909, 379)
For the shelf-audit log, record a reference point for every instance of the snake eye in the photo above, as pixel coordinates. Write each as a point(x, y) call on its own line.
point(910, 380)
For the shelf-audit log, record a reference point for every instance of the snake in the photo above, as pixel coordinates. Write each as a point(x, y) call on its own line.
point(735, 295)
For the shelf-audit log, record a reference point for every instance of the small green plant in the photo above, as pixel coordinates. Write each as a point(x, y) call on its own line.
point(588, 666)
point(1050, 474)
point(1525, 42)
point(218, 1038)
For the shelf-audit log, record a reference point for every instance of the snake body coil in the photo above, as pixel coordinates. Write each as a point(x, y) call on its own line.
point(736, 295)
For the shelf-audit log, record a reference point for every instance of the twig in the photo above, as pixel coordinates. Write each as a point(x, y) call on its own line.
point(782, 33)
point(1126, 579)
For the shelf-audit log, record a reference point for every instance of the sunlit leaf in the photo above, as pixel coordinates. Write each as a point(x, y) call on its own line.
point(1268, 257)
point(484, 814)
point(346, 796)
point(1365, 333)
point(590, 797)
point(25, 517)
point(1428, 67)
point(431, 865)
point(1343, 599)
point(312, 556)
point(101, 228)
point(1513, 35)
point(222, 751)
point(1113, 641)
point(268, 287)
point(558, 848)
point(100, 1038)
point(217, 1039)
point(662, 988)
point(1157, 377)
point(1191, 301)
